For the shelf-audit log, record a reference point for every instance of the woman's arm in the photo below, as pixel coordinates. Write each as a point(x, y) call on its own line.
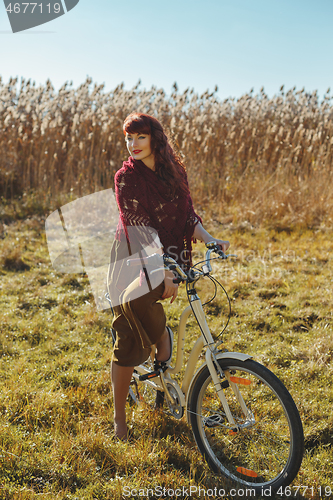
point(201, 234)
point(171, 289)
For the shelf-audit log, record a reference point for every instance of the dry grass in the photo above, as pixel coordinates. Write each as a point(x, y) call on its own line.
point(254, 158)
point(56, 410)
point(251, 162)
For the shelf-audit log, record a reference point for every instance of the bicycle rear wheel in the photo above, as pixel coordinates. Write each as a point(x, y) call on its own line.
point(265, 448)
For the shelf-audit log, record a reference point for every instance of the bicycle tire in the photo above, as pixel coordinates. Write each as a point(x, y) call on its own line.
point(267, 453)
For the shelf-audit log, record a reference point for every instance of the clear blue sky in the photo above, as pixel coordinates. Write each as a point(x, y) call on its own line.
point(236, 44)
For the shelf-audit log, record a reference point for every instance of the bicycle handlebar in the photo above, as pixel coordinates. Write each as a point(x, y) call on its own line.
point(172, 265)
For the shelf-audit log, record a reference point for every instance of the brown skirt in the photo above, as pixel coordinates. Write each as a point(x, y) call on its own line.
point(139, 324)
point(139, 319)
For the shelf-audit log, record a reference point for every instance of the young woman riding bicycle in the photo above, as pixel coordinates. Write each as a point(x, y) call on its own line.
point(151, 191)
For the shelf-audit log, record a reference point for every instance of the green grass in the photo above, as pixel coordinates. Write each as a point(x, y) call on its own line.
point(56, 410)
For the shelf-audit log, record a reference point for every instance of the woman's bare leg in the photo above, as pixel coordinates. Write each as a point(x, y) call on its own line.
point(120, 378)
point(163, 347)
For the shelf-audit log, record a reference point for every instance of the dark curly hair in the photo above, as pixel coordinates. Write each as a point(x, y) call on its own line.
point(168, 165)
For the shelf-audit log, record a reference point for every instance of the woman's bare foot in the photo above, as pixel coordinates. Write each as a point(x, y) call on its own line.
point(120, 430)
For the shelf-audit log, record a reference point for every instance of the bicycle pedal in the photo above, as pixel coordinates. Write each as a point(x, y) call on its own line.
point(149, 375)
point(214, 421)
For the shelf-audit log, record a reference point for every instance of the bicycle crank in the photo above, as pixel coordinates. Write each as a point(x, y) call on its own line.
point(175, 406)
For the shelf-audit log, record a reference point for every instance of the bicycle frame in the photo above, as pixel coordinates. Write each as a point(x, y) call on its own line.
point(212, 420)
point(211, 355)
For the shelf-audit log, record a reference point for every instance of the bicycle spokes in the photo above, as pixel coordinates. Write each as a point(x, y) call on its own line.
point(259, 446)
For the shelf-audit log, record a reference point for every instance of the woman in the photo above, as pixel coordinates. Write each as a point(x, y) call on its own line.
point(151, 191)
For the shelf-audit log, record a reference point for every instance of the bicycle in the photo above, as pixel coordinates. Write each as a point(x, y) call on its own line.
point(244, 421)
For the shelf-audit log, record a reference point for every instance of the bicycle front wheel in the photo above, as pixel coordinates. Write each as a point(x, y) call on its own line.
point(264, 446)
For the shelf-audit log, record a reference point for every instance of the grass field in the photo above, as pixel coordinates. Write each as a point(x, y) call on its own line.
point(260, 172)
point(55, 400)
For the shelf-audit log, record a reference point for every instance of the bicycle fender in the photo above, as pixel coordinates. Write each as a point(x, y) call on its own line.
point(227, 355)
point(234, 355)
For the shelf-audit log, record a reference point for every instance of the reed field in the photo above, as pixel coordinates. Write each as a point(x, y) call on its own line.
point(260, 173)
point(254, 158)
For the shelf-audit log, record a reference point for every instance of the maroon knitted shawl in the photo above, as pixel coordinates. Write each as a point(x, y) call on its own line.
point(142, 201)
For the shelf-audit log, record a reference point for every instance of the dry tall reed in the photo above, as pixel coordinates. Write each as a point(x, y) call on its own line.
point(254, 158)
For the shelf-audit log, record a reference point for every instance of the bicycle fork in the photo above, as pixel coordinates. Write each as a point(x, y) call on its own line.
point(216, 372)
point(214, 368)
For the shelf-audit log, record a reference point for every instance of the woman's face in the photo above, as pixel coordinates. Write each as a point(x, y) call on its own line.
point(138, 146)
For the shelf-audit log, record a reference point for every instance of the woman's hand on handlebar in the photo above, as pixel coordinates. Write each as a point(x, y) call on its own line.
point(171, 288)
point(223, 244)
point(201, 234)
